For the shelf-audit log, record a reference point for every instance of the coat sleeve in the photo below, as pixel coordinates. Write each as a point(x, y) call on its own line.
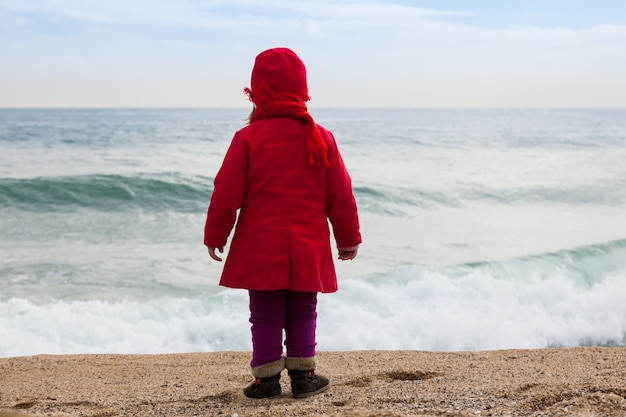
point(229, 190)
point(342, 209)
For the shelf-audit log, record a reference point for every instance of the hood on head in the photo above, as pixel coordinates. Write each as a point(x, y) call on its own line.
point(280, 70)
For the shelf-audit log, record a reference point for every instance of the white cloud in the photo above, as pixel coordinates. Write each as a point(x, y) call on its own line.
point(358, 53)
point(339, 16)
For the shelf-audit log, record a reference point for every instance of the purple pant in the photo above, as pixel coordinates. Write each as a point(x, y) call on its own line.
point(273, 311)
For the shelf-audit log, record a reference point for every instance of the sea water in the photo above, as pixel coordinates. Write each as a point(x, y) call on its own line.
point(483, 229)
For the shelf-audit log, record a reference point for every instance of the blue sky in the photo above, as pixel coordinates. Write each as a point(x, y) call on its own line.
point(378, 53)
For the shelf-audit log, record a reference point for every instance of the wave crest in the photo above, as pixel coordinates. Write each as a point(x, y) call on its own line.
point(106, 192)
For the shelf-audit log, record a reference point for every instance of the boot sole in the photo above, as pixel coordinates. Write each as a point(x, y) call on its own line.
point(265, 398)
point(311, 393)
point(260, 398)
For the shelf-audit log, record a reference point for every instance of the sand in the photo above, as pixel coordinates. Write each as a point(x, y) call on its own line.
point(588, 381)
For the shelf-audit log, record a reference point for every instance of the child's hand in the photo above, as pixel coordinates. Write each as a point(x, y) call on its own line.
point(347, 255)
point(213, 255)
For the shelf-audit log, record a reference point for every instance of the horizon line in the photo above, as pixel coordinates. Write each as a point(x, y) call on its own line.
point(314, 107)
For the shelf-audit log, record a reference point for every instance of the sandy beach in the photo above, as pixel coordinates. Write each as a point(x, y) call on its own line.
point(588, 381)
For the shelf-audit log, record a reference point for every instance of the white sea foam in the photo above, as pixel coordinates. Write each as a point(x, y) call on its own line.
point(159, 326)
point(526, 303)
point(474, 309)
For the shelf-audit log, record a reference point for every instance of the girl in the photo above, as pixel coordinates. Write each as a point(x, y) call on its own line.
point(285, 175)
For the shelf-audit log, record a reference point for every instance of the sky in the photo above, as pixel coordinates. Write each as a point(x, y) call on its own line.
point(370, 53)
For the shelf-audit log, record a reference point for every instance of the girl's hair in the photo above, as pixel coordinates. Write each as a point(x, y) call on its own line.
point(250, 115)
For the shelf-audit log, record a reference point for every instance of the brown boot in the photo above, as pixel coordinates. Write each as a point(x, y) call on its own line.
point(304, 381)
point(267, 380)
point(264, 388)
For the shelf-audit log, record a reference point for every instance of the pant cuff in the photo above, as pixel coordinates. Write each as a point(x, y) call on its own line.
point(269, 369)
point(301, 364)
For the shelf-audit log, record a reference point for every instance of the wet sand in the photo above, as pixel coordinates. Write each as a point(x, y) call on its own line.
point(589, 381)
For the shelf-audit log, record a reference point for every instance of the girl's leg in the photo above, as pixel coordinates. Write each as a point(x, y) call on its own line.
point(300, 324)
point(267, 316)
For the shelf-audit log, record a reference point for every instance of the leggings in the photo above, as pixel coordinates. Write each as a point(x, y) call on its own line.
point(273, 311)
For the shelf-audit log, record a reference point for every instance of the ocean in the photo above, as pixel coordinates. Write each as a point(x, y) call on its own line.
point(483, 229)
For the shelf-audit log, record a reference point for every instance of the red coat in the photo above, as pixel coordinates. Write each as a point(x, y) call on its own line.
point(282, 238)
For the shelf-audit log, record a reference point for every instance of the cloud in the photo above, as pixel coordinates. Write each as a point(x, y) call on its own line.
point(372, 53)
point(237, 16)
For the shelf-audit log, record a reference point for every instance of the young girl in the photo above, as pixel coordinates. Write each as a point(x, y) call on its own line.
point(286, 176)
